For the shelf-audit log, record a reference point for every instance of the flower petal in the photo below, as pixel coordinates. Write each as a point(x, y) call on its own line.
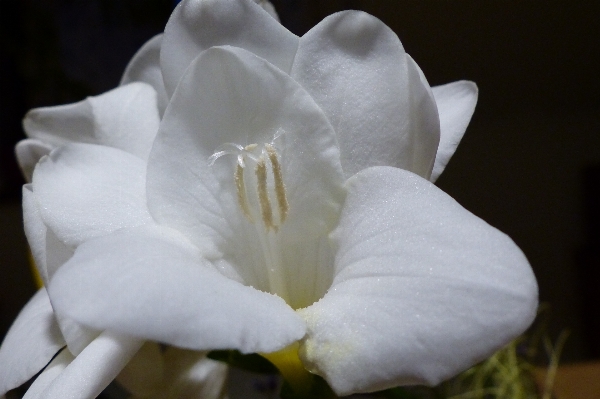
point(126, 118)
point(197, 25)
point(87, 190)
point(148, 283)
point(32, 341)
point(423, 288)
point(53, 370)
point(145, 67)
point(251, 103)
point(355, 68)
point(94, 368)
point(456, 103)
point(49, 253)
point(29, 152)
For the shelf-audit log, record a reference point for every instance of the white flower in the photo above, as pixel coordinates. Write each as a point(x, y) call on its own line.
point(285, 204)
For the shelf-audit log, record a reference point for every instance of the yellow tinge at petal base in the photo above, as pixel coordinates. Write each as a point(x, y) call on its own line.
point(37, 279)
point(291, 368)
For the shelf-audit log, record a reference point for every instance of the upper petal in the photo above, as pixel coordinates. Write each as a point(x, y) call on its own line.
point(456, 103)
point(251, 103)
point(32, 341)
point(423, 288)
point(126, 118)
point(147, 282)
point(197, 25)
point(86, 190)
point(355, 68)
point(145, 67)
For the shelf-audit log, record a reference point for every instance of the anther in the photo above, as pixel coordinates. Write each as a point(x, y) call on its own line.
point(263, 195)
point(241, 189)
point(279, 186)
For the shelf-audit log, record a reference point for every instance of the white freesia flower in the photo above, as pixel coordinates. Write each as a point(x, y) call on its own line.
point(284, 205)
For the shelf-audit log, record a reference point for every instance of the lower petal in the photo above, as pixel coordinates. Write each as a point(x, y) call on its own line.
point(94, 368)
point(32, 341)
point(147, 282)
point(423, 288)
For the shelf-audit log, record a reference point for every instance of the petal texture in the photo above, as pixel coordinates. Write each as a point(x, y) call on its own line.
point(456, 103)
point(150, 284)
point(46, 377)
point(197, 25)
point(32, 341)
point(49, 254)
point(87, 190)
point(126, 118)
point(356, 70)
point(145, 67)
point(252, 107)
point(423, 288)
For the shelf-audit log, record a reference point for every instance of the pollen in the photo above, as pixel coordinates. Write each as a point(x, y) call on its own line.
point(241, 191)
point(263, 194)
point(279, 186)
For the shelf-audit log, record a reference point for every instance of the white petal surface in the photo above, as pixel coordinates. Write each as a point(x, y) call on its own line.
point(32, 341)
point(35, 230)
point(423, 288)
point(94, 368)
point(53, 370)
point(356, 70)
point(49, 254)
point(126, 118)
point(145, 67)
point(456, 103)
point(197, 25)
point(149, 283)
point(29, 152)
point(250, 102)
point(87, 190)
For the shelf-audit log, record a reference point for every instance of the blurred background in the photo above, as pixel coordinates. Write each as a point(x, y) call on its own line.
point(529, 163)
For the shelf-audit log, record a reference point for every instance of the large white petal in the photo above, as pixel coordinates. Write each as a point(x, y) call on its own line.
point(86, 190)
point(456, 103)
point(145, 67)
point(148, 283)
point(197, 25)
point(126, 118)
point(423, 288)
point(29, 152)
point(356, 69)
point(32, 341)
point(250, 102)
point(93, 369)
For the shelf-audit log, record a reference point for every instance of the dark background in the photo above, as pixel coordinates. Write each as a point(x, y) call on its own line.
point(529, 163)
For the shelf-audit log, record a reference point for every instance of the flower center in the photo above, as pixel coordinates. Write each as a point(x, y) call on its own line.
point(261, 196)
point(269, 184)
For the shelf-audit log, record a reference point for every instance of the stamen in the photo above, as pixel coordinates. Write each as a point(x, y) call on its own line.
point(241, 190)
point(263, 195)
point(279, 186)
